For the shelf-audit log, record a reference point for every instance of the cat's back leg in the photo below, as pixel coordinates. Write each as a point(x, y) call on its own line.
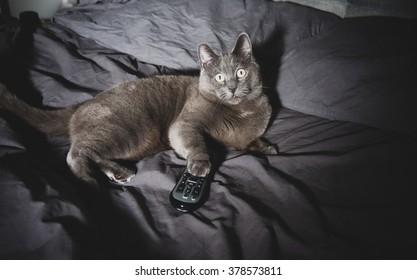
point(90, 167)
point(82, 166)
point(107, 141)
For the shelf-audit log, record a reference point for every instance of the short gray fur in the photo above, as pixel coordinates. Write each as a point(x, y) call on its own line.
point(139, 118)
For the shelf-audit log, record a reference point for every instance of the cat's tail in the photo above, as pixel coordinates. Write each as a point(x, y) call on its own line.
point(51, 122)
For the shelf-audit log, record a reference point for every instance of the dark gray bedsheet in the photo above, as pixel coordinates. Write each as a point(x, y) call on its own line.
point(336, 190)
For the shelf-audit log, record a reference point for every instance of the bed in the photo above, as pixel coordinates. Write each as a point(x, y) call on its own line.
point(344, 92)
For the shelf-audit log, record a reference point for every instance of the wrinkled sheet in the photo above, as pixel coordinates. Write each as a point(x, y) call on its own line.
point(336, 190)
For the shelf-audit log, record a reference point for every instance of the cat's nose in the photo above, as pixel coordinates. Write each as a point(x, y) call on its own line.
point(232, 88)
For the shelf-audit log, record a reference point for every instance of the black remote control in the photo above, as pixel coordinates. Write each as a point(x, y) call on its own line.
point(190, 192)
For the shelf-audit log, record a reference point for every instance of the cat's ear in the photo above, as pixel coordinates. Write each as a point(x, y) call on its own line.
point(243, 46)
point(206, 55)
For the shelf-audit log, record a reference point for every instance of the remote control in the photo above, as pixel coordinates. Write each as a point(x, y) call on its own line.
point(190, 192)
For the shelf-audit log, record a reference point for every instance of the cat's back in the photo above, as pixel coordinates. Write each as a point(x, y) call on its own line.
point(158, 97)
point(163, 87)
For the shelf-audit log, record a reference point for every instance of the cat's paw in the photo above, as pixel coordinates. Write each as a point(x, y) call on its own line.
point(121, 176)
point(261, 146)
point(270, 150)
point(199, 167)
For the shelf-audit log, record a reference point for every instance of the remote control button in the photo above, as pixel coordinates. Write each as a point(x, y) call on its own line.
point(181, 188)
point(196, 191)
point(191, 183)
point(193, 179)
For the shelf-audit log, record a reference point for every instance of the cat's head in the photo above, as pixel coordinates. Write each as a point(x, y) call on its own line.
point(230, 78)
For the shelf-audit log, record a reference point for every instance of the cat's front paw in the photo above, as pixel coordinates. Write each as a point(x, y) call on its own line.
point(261, 146)
point(199, 167)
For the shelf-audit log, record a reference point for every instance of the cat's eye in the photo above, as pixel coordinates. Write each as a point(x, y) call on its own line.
point(240, 73)
point(220, 78)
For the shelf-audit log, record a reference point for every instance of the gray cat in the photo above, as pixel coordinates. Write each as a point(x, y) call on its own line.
point(139, 118)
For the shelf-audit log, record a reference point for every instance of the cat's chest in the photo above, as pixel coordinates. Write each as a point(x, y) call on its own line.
point(239, 128)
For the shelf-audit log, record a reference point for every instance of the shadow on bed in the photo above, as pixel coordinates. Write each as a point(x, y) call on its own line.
point(18, 58)
point(268, 55)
